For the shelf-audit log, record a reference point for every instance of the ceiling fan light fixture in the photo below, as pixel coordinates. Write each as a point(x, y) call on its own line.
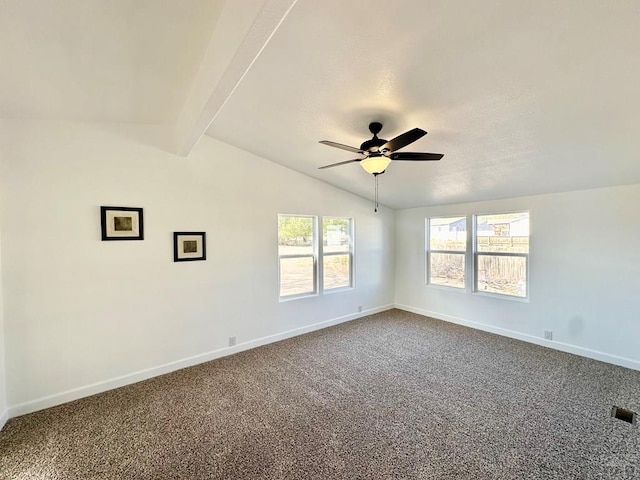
point(375, 165)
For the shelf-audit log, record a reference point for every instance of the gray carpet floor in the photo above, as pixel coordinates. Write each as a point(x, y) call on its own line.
point(393, 395)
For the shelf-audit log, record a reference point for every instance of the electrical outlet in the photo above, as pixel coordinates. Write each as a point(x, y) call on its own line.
point(359, 308)
point(232, 341)
point(548, 335)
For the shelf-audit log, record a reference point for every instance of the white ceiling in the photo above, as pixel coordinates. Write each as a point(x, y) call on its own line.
point(522, 97)
point(101, 60)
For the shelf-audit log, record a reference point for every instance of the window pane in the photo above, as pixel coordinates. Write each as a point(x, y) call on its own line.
point(336, 235)
point(449, 233)
point(447, 269)
point(505, 275)
point(508, 232)
point(337, 271)
point(295, 235)
point(296, 276)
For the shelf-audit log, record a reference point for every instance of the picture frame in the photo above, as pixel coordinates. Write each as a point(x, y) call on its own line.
point(121, 223)
point(189, 246)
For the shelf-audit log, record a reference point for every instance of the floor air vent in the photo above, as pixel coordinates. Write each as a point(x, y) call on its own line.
point(624, 415)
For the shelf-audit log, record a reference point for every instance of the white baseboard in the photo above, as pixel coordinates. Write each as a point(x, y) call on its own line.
point(563, 347)
point(103, 386)
point(3, 418)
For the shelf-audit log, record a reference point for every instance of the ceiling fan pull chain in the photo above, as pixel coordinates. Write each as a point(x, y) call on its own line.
point(376, 206)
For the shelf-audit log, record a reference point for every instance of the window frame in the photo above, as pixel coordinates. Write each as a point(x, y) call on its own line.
point(314, 255)
point(476, 254)
point(429, 251)
point(350, 252)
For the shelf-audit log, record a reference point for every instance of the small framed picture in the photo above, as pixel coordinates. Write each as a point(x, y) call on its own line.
point(189, 246)
point(121, 223)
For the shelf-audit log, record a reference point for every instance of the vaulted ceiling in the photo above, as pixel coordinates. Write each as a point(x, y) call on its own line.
point(522, 97)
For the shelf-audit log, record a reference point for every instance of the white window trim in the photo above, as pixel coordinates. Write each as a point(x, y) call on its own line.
point(318, 258)
point(429, 251)
point(471, 258)
point(350, 252)
point(476, 254)
point(314, 255)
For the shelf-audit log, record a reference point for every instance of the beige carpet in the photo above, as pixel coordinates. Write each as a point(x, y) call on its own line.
point(394, 395)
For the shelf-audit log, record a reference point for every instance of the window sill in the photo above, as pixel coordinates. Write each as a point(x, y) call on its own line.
point(336, 290)
point(289, 298)
point(501, 296)
point(446, 288)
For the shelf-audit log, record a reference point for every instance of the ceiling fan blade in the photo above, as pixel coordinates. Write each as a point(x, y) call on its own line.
point(416, 157)
point(403, 140)
point(340, 145)
point(340, 163)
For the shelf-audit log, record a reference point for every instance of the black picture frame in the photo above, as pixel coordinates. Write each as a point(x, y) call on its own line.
point(121, 223)
point(189, 246)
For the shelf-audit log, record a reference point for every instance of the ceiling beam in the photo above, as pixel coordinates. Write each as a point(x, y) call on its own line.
point(242, 32)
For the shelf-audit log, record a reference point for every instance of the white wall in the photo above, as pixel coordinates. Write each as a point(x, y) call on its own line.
point(584, 273)
point(80, 312)
point(4, 409)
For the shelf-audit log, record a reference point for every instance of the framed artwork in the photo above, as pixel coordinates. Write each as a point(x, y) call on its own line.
point(188, 246)
point(121, 223)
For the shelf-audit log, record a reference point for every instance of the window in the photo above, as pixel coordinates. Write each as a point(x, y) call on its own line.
point(297, 251)
point(446, 251)
point(337, 253)
point(501, 253)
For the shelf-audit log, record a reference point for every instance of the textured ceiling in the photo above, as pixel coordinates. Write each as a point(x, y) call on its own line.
point(522, 97)
point(127, 61)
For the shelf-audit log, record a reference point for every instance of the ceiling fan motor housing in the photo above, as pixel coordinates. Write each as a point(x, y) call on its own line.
point(374, 143)
point(374, 127)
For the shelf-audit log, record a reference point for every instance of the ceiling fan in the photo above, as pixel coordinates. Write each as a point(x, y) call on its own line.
point(378, 152)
